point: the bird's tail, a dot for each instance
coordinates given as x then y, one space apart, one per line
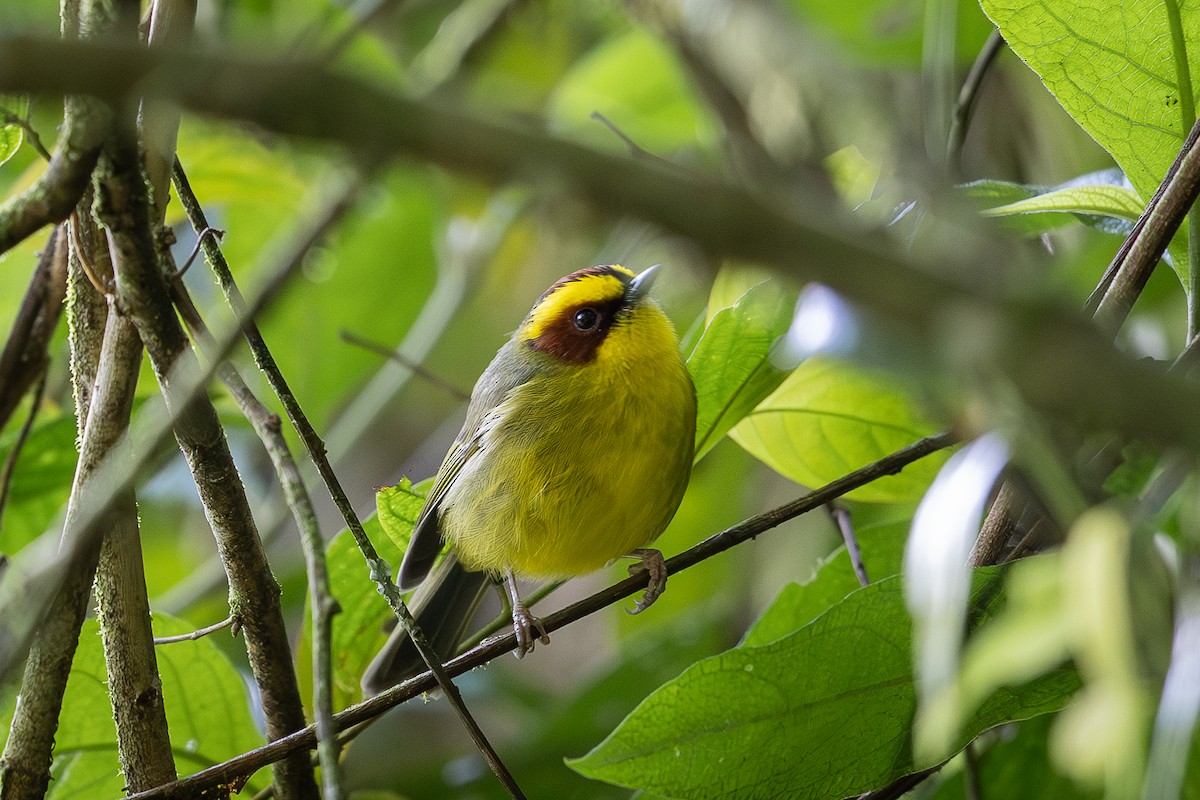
443 606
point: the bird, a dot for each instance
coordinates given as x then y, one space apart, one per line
576 451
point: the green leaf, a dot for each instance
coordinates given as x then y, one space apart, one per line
1108 201
362 626
731 364
208 713
41 481
11 137
1119 67
829 418
634 81
398 508
824 712
1101 200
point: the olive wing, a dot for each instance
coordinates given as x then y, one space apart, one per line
505 373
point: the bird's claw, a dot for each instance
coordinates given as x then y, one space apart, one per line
652 562
528 629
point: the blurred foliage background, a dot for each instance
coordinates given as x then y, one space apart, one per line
442 268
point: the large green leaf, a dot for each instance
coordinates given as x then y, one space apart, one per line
1119 67
208 713
731 364
829 418
823 712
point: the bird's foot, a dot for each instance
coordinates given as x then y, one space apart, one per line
529 630
652 562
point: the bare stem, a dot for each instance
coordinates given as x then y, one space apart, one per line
199 633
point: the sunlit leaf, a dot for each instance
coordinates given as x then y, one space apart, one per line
11 137
829 418
1102 200
1119 67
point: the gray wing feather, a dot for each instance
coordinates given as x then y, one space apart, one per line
504 374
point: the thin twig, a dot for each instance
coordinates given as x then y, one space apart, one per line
216 233
965 105
10 461
636 151
247 763
387 352
200 633
100 284
379 569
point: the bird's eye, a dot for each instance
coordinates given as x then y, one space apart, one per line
586 319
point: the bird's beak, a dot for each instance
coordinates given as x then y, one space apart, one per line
639 287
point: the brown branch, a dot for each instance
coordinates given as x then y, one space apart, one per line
123 607
1140 252
58 190
248 763
25 354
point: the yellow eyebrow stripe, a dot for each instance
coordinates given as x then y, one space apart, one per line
582 290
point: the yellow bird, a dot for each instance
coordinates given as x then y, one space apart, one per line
576 451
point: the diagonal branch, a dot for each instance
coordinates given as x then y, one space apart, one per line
1126 276
24 357
247 763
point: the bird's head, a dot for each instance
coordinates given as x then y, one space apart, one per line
574 321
